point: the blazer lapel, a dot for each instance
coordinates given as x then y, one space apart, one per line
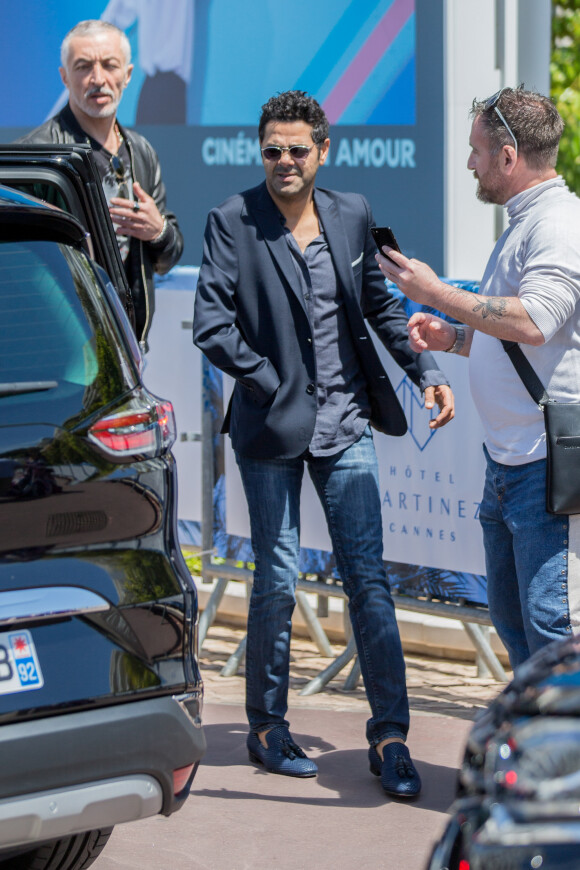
337 239
267 217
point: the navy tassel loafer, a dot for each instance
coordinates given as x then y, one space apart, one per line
282 755
398 774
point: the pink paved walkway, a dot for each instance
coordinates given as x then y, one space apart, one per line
240 818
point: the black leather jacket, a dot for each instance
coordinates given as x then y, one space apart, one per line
144 258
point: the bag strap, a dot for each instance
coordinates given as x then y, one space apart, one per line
529 378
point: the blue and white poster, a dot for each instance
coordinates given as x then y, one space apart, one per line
203 69
227 58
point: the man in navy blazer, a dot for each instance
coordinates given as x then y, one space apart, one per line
287 283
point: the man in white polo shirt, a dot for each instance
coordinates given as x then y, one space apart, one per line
529 294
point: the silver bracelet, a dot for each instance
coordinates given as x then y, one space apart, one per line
161 236
457 345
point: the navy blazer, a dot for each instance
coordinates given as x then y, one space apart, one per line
251 321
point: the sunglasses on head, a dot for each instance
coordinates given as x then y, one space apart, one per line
491 103
296 152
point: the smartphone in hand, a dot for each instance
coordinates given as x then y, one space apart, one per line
385 236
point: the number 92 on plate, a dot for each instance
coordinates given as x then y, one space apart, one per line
19 666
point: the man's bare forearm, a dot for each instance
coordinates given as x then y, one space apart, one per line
501 316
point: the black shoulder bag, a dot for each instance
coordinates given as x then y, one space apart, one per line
562 422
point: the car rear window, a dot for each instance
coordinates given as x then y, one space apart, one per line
44 190
44 333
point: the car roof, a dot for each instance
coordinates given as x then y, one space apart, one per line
25 217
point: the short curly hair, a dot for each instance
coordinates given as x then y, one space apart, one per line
295 106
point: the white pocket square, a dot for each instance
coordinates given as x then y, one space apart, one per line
358 260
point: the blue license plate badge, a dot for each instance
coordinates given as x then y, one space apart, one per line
19 665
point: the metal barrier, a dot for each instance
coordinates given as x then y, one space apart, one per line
472 617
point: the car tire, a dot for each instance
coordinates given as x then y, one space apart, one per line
69 853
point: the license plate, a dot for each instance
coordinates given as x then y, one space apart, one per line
19 666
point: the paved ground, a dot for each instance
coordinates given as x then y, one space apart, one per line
240 818
434 685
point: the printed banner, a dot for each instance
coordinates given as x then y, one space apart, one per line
203 69
431 486
431 482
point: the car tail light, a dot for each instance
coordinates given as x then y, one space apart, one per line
510 778
181 777
137 430
463 864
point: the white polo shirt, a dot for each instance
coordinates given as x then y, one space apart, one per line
538 259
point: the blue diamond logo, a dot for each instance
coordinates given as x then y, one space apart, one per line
418 417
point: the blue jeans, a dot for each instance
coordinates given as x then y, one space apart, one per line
348 486
526 556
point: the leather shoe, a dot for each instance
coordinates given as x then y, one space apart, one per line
282 755
398 774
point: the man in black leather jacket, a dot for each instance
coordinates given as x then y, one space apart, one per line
96 68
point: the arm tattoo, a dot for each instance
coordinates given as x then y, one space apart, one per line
494 307
490 306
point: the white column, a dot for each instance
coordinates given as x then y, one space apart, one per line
470 72
489 44
534 32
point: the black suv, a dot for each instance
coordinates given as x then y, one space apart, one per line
100 692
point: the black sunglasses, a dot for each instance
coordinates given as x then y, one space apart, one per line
491 103
118 167
296 152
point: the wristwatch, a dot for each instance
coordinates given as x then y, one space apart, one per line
457 345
